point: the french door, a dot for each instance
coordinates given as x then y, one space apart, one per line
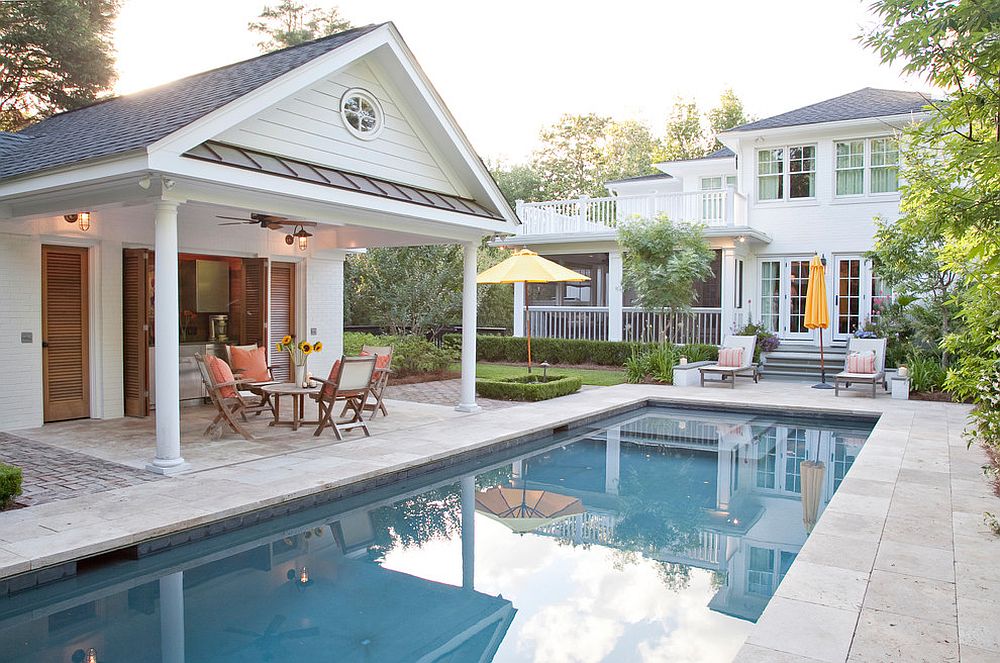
783 285
858 294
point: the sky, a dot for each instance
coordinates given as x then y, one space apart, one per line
507 69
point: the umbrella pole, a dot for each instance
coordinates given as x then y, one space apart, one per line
822 366
527 323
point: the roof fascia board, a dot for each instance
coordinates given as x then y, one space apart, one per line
79 175
611 236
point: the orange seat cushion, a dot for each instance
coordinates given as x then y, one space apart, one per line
253 363
220 372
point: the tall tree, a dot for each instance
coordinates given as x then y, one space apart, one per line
728 114
685 136
290 23
55 55
517 181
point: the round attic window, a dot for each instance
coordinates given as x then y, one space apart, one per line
362 113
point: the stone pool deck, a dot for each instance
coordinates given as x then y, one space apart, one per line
900 567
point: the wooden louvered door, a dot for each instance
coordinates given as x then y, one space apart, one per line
282 317
65 333
254 325
135 331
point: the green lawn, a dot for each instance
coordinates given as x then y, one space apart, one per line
603 378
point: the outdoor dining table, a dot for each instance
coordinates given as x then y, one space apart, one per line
298 395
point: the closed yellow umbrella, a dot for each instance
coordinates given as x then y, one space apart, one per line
817 315
811 472
528 267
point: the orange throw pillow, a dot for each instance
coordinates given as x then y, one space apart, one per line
327 389
381 361
220 372
253 363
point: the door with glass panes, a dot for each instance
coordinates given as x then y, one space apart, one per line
783 285
857 295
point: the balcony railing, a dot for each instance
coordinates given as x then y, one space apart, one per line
720 209
699 325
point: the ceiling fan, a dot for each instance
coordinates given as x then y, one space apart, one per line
275 222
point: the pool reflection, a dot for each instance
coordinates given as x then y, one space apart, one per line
689 521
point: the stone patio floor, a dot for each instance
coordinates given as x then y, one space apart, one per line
439 392
901 567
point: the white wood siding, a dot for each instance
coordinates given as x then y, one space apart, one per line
308 126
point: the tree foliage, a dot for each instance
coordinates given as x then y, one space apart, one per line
663 261
685 136
952 173
728 114
55 55
289 23
517 182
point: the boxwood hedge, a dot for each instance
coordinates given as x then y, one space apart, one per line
10 484
528 387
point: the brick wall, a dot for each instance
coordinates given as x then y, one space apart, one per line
20 311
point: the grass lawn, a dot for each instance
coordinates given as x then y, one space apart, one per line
599 377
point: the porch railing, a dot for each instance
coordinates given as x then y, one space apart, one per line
724 208
699 325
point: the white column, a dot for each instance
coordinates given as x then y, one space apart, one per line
724 475
516 472
519 310
728 291
468 484
168 458
612 460
615 296
172 618
468 397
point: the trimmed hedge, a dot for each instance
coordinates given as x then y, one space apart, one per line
10 484
528 387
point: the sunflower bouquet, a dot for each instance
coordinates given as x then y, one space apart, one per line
299 353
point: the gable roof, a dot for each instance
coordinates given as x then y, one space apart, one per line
864 103
134 121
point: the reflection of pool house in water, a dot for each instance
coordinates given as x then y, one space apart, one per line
737 491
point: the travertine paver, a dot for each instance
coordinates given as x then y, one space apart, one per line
50 473
439 392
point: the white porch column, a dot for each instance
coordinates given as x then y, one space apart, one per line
468 484
615 296
519 310
727 292
172 618
468 396
168 458
516 472
612 460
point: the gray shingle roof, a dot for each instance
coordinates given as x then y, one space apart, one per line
642 178
132 122
863 103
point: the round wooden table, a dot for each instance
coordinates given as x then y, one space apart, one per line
298 394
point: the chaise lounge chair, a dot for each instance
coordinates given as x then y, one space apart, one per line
849 377
740 347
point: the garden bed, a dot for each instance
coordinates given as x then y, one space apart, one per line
528 387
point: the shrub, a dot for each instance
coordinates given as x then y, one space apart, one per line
514 349
926 373
698 352
10 484
411 355
528 387
655 362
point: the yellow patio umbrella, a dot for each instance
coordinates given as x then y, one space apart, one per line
817 316
812 472
528 267
524 510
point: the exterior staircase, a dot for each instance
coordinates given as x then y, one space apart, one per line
801 362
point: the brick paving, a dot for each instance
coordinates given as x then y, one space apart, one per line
439 392
51 473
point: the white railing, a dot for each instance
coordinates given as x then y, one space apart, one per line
578 322
698 325
724 208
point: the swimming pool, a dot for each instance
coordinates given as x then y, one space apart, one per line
658 534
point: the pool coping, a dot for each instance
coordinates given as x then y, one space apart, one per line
71 523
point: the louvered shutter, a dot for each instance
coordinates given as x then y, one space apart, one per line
282 318
254 325
135 331
65 333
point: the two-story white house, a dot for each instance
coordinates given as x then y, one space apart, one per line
809 181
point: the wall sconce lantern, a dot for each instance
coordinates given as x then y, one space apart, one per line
81 656
302 235
82 219
300 577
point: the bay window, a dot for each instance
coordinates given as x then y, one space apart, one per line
786 173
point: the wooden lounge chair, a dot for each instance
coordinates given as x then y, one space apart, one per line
747 368
350 381
846 378
230 397
383 369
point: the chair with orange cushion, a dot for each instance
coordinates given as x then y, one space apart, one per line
249 365
380 379
232 403
350 381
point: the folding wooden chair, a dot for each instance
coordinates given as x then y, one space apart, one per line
350 381
380 379
232 403
251 385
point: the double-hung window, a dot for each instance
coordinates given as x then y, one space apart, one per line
867 165
884 169
786 173
850 168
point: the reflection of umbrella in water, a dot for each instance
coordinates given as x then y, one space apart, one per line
524 510
812 472
270 640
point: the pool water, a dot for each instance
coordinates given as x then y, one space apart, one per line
657 535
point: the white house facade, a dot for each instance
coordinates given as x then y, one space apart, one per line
255 181
782 189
